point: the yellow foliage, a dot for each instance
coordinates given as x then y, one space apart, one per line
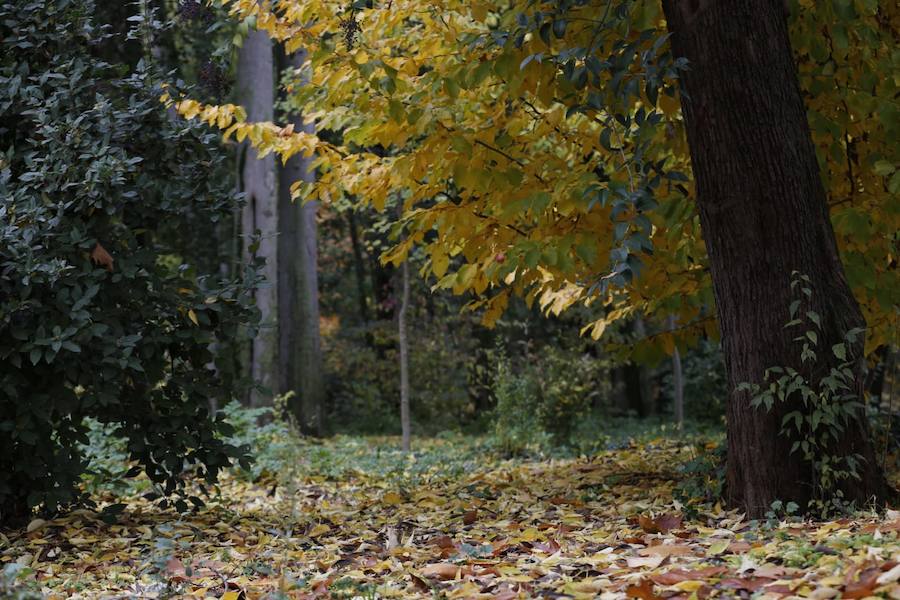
475 136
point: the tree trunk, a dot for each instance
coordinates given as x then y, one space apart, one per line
677 380
359 268
300 347
763 212
646 396
404 357
256 91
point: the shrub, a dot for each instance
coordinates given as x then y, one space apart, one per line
516 425
103 312
570 384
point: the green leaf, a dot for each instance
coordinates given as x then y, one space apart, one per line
883 168
840 351
814 317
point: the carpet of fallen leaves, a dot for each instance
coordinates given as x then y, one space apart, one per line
604 526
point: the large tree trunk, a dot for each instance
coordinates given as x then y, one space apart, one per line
300 356
404 357
256 91
763 212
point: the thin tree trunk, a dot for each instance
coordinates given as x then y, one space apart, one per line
300 357
677 380
404 357
359 268
256 90
763 211
647 404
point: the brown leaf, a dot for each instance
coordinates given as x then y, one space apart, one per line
442 541
864 586
175 570
661 524
470 517
445 571
739 547
643 590
101 257
420 584
561 500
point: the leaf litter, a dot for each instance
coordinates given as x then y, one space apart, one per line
467 526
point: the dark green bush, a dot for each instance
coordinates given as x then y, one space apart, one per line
105 307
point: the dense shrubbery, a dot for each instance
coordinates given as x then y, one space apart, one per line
543 398
363 381
104 311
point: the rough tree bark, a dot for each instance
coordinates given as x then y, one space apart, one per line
763 212
300 348
404 356
256 91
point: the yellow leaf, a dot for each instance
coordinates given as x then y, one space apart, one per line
717 548
320 529
230 595
392 498
193 317
689 586
439 264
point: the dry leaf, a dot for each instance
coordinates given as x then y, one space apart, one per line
661 524
445 571
643 590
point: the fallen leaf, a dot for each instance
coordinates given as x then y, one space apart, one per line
470 517
643 590
35 524
661 524
718 548
392 498
889 576
445 571
863 586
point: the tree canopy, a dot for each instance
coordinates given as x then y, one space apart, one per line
541 151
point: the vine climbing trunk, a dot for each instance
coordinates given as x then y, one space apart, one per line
256 91
763 212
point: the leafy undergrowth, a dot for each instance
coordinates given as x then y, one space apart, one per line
353 518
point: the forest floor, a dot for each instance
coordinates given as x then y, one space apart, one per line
356 519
